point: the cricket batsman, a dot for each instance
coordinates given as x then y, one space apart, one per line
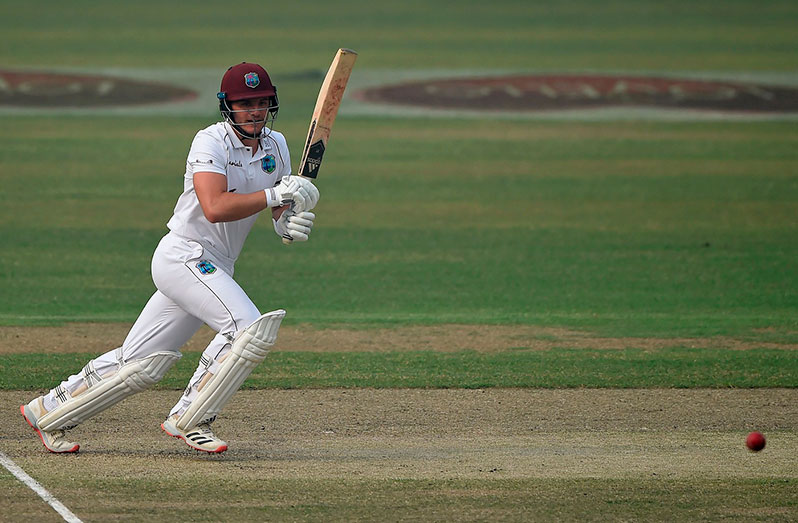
235 169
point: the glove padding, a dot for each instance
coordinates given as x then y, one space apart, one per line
295 226
293 190
282 193
307 195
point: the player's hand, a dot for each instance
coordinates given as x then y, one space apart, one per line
294 227
310 195
299 225
287 192
295 190
282 193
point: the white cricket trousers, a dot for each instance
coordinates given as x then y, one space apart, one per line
195 287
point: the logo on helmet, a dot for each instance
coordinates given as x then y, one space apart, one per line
252 80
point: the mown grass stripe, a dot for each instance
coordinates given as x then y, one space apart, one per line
672 367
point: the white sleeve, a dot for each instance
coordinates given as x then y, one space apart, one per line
286 158
207 154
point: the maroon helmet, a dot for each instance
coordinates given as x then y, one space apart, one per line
242 82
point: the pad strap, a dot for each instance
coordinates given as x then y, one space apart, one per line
249 349
132 377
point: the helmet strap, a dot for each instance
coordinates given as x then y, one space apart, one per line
227 114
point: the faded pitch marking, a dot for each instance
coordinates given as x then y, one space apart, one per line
506 94
37 89
122 91
562 92
578 95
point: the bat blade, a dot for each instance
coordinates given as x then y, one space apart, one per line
330 95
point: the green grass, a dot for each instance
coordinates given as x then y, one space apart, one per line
672 367
627 229
673 34
355 499
623 228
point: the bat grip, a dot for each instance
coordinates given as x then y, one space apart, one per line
286 240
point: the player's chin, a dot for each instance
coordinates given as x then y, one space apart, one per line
250 128
254 128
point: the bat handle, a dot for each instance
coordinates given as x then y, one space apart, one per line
288 241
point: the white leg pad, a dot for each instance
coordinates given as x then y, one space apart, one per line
132 377
249 349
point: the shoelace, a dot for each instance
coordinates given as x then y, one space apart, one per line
205 429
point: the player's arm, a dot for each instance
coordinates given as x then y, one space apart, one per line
219 205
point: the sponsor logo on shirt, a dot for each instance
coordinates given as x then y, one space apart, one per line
235 163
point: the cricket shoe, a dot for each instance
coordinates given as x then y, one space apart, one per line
53 440
200 437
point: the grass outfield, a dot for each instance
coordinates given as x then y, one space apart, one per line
671 34
643 272
631 229
671 367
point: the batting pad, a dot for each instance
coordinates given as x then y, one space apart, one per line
249 349
132 377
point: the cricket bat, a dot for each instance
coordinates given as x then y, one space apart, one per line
330 95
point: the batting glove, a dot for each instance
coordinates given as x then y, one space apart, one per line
311 194
294 227
293 190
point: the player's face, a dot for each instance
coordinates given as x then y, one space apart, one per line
251 114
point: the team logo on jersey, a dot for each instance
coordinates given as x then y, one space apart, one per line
268 163
206 267
252 80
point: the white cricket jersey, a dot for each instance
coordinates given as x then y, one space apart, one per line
218 149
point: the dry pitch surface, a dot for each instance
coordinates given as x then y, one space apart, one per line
431 435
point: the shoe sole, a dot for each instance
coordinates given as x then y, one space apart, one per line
73 449
187 442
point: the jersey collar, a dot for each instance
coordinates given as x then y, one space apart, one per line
234 139
238 144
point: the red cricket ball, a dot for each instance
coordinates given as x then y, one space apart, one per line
755 441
